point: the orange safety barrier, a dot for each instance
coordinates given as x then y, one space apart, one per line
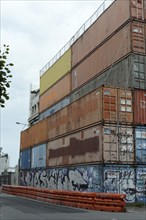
93 201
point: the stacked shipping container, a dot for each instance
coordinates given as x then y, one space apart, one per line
93 110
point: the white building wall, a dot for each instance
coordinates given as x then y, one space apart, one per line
34 105
4 163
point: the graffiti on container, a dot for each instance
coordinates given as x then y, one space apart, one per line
141 184
141 145
118 145
89 178
77 179
142 104
120 181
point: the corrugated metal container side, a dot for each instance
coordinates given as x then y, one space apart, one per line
108 104
108 98
23 139
140 107
83 112
118 146
57 123
80 147
102 58
86 110
35 134
139 69
125 106
145 10
55 93
55 72
103 27
38 156
127 73
140 183
117 105
25 159
138 37
137 9
120 179
140 143
63 103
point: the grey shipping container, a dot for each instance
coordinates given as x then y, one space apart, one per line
128 73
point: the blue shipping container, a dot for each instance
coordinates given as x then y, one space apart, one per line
25 158
38 158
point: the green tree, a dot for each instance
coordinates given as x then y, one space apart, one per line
4 75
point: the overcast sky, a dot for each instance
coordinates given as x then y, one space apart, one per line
35 31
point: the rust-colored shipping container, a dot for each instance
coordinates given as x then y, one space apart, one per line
109 143
144 9
106 25
129 39
80 147
118 144
137 9
125 106
112 50
120 45
140 107
108 104
57 123
34 135
55 93
138 37
103 27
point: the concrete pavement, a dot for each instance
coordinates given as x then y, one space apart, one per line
18 208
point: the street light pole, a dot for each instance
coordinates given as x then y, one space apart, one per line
19 123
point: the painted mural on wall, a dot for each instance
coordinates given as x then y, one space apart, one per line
83 178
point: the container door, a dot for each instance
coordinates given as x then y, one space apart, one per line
138 37
137 9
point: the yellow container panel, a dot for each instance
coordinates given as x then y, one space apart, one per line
55 72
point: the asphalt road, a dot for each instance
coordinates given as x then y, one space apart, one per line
18 208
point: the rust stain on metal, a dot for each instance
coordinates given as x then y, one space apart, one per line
76 147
